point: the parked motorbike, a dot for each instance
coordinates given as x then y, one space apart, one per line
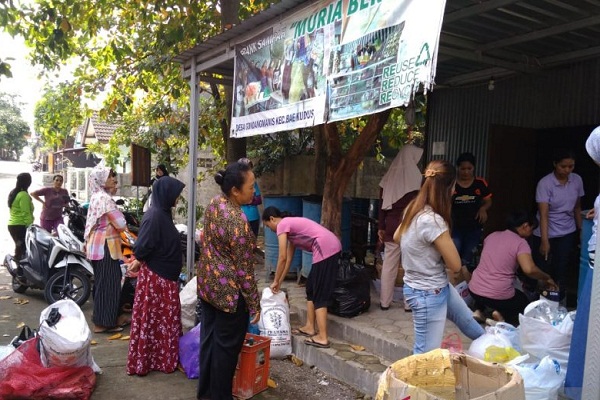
55 264
36 166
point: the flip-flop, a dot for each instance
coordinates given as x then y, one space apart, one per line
302 333
311 342
111 330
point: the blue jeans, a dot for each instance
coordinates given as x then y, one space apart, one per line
430 308
466 241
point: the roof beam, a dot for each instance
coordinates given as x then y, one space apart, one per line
570 56
542 33
478 57
476 10
477 76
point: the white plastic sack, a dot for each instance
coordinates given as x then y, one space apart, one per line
491 337
540 338
511 333
67 343
188 297
543 380
275 322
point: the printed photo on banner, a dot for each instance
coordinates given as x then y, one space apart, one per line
334 60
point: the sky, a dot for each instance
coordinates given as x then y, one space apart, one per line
24 81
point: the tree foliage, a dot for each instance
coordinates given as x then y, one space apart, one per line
57 115
124 50
13 128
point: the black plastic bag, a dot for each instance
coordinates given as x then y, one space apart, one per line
26 334
352 294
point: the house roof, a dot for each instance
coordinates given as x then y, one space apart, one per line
102 129
479 39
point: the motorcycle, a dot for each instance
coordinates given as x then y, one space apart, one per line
55 264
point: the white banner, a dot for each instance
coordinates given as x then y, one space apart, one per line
334 60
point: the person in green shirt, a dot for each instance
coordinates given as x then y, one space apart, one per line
21 213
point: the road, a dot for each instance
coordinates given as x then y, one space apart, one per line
294 382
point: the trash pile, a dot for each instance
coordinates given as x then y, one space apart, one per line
55 362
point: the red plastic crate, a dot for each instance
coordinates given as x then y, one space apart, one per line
252 370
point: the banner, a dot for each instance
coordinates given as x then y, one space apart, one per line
334 60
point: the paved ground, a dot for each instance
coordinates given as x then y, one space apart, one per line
295 382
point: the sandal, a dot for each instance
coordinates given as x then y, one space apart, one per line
302 333
311 342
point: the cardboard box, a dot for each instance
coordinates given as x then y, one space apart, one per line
440 375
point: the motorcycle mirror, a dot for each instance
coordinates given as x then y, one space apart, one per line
120 202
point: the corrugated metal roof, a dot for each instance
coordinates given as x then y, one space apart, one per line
479 38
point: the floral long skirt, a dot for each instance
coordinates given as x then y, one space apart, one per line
155 325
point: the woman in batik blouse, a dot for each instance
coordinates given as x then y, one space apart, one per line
226 284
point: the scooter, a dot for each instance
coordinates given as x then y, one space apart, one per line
55 264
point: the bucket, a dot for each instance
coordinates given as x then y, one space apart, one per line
293 205
311 209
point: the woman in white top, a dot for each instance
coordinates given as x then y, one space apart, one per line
427 250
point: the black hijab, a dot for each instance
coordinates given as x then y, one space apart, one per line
158 242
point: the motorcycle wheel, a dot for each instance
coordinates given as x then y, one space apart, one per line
17 286
77 287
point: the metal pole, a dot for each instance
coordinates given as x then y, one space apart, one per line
193 151
591 374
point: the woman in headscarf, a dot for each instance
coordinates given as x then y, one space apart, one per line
160 171
103 247
399 186
156 322
21 213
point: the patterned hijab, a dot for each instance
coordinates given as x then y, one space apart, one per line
101 201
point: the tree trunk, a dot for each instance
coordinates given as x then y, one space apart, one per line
341 168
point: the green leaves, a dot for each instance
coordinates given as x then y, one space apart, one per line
13 129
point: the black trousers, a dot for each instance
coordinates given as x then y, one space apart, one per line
221 339
17 232
509 308
107 290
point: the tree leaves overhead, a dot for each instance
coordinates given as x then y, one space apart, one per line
123 49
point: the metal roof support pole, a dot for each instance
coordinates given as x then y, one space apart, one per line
191 184
591 374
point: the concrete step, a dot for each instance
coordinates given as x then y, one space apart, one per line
380 335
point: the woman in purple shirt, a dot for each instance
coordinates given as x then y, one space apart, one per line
307 235
558 196
55 199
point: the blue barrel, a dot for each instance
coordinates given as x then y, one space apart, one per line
311 209
584 258
293 205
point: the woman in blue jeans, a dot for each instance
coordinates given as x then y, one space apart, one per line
427 250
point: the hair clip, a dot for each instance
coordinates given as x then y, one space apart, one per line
429 172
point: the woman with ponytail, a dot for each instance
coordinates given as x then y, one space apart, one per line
226 284
21 213
427 251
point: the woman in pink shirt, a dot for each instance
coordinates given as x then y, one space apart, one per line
492 283
55 199
307 235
